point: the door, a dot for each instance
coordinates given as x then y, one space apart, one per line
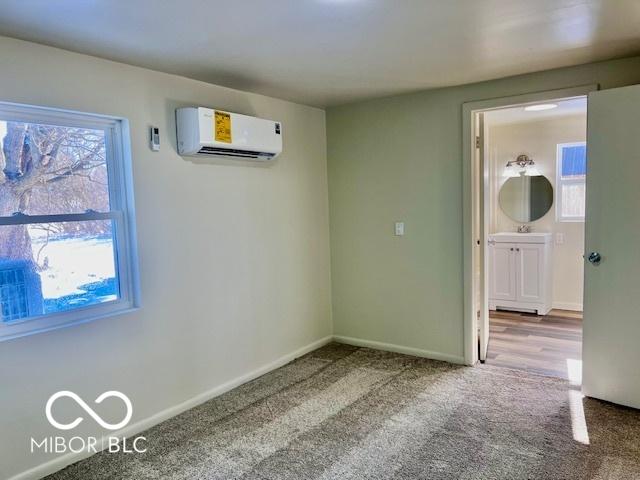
611 355
529 260
502 279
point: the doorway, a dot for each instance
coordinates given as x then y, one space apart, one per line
514 318
612 260
535 162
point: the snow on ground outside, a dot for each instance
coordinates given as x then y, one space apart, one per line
73 262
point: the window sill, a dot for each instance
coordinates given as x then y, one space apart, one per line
35 325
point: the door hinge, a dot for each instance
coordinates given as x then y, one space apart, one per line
478 141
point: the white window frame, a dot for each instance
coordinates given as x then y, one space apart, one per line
565 181
122 213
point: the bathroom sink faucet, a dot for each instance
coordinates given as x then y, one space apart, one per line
524 228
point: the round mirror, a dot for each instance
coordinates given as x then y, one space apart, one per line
526 198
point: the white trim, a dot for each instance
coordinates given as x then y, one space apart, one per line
22 112
390 347
140 426
58 463
575 307
64 319
470 336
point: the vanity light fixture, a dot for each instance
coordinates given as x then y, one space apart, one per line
540 107
523 164
531 170
511 171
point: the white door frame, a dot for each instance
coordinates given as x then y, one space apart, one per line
470 199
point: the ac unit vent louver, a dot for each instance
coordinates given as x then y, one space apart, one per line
233 152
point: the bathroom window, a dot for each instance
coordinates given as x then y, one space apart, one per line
67 246
571 182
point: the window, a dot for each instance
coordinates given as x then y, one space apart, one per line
67 227
570 183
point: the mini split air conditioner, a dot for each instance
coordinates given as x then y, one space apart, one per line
204 131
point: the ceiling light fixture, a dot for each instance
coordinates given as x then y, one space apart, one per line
540 107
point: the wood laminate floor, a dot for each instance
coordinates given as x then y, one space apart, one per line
548 345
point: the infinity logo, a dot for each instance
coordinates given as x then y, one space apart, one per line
89 410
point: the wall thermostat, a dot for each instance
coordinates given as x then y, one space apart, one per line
155 139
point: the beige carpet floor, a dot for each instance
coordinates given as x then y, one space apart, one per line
343 412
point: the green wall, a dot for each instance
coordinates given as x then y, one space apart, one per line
400 159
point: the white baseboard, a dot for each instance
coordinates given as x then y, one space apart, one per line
389 347
62 461
59 463
576 307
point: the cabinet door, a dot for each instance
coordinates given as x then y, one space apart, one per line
502 280
530 268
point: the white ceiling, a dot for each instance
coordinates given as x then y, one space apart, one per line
326 52
574 106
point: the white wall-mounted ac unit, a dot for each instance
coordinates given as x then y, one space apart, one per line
205 131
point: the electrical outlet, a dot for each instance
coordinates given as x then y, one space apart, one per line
559 238
399 229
